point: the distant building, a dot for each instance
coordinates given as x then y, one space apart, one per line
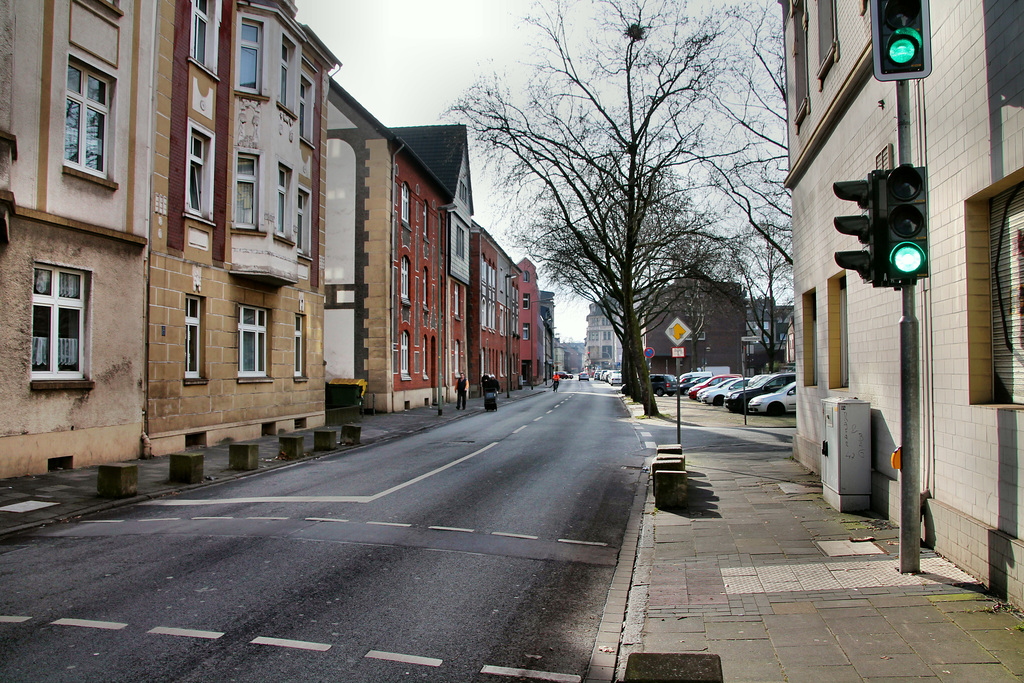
603 346
493 313
531 341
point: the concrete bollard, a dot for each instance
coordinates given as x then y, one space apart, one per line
324 439
670 449
292 447
186 468
673 463
670 489
350 434
244 456
118 480
674 667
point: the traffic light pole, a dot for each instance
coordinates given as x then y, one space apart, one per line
910 469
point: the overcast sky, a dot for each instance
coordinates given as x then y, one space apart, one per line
407 60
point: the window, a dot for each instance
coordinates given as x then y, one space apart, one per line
426 289
300 365
526 331
526 301
801 101
464 192
405 279
306 100
246 176
526 276
200 173
404 355
405 204
1003 324
249 56
284 181
426 375
458 357
827 38
58 313
287 50
426 224
460 242
252 342
204 45
456 295
85 120
302 230
193 337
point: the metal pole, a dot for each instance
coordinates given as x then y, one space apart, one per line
679 394
910 468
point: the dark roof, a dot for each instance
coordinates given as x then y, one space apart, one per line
441 148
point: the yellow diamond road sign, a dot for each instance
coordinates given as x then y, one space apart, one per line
677 331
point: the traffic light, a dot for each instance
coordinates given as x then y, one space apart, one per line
904 236
864 227
901 39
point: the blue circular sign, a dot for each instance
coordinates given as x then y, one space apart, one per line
649 352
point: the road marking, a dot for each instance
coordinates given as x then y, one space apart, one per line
185 632
324 519
213 518
527 673
391 524
432 472
88 623
161 519
452 528
650 444
295 644
550 411
569 540
12 620
269 519
102 521
501 533
646 435
538 418
404 659
519 430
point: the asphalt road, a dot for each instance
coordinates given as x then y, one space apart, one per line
464 553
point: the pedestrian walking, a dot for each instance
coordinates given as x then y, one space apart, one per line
461 387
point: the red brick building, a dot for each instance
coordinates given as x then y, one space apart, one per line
531 340
493 313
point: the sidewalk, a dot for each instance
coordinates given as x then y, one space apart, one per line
761 571
30 501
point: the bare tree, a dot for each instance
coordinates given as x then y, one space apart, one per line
599 142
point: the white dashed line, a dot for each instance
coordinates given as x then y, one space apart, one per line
501 533
295 644
451 528
399 524
569 540
102 521
161 519
516 431
324 519
213 518
269 519
185 632
550 411
404 659
646 435
538 418
12 620
527 673
87 623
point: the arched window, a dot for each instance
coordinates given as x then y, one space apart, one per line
405 203
405 279
426 288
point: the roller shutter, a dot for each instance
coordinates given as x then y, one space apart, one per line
1007 261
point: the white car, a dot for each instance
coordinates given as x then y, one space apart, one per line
780 403
716 395
615 378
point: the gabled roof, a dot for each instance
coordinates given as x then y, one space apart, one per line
442 149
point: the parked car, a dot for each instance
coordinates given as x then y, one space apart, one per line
778 403
615 378
710 382
664 384
716 395
736 400
584 377
688 379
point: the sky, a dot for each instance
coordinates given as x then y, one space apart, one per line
407 61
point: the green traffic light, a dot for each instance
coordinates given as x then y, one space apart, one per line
904 45
907 258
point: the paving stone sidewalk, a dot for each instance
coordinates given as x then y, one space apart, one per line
29 501
761 571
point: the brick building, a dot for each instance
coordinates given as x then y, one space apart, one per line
493 313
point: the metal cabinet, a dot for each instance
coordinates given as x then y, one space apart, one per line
846 453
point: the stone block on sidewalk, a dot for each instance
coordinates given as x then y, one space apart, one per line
350 434
186 468
291 447
117 480
670 489
244 456
668 462
670 449
673 667
324 439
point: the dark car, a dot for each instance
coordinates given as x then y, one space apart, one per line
736 400
664 384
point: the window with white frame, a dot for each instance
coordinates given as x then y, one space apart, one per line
405 279
426 224
426 374
58 323
426 288
458 356
405 204
306 101
204 33
526 276
250 56
284 181
403 350
287 53
526 331
200 172
299 348
526 300
85 119
252 342
302 228
193 337
246 182
456 296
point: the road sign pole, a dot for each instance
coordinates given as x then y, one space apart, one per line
679 424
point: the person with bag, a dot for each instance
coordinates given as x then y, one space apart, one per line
461 388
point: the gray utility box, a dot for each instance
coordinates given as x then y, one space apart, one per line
846 453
